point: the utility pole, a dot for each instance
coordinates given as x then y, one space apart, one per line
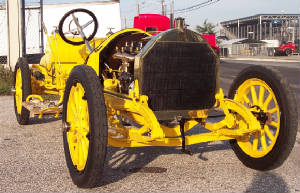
299 32
138 8
172 14
125 22
162 7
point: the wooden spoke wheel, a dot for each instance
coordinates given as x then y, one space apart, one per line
85 126
268 96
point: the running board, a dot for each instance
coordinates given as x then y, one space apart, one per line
40 108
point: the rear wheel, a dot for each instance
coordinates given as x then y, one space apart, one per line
270 99
22 84
85 123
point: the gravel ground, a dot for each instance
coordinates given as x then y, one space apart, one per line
32 160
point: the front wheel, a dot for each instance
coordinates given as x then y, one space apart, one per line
85 126
265 92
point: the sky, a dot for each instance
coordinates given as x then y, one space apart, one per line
216 13
221 11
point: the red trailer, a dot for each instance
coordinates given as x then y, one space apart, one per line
153 23
211 39
156 23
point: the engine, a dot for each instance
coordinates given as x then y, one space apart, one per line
120 56
126 55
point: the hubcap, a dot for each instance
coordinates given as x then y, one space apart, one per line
261 100
79 128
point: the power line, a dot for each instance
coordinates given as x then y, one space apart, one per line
196 6
149 6
193 6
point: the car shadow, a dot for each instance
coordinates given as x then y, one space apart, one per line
122 162
267 182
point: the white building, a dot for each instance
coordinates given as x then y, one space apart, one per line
107 13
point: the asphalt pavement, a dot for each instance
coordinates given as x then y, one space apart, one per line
32 160
292 58
289 67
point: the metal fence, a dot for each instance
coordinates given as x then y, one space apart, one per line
251 49
3 33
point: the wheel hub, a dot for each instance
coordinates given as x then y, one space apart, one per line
262 117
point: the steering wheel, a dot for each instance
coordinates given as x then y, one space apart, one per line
70 27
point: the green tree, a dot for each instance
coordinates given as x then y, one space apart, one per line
206 28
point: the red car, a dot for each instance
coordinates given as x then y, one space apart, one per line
285 49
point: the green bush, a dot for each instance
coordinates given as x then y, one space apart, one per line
6 80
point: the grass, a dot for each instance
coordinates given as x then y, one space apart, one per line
6 80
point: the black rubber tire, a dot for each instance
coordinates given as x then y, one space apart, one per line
92 172
61 23
289 118
22 64
288 52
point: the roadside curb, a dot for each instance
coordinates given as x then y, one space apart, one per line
263 59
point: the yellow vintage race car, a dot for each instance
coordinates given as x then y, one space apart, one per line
132 89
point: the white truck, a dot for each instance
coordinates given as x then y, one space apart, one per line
51 16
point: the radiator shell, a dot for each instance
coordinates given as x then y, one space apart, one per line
178 70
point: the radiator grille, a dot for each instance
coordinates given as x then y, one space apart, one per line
179 76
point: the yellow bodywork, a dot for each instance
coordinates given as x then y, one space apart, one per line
60 58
